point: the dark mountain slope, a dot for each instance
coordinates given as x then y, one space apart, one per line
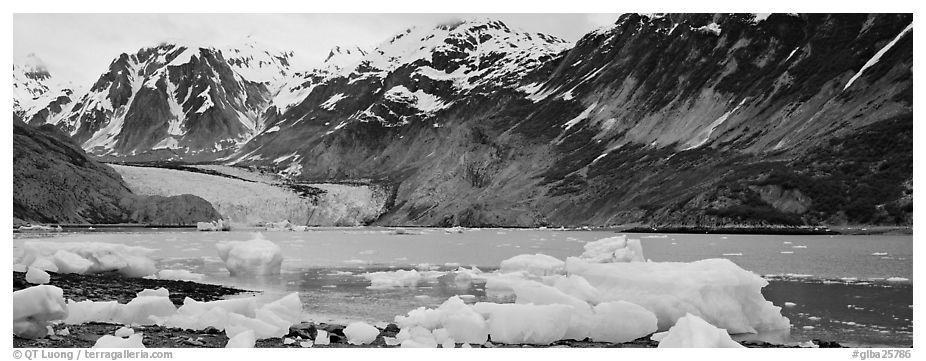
680 119
54 181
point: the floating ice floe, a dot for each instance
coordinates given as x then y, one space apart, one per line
360 333
613 249
692 331
897 279
35 307
88 257
255 257
534 264
218 225
394 279
180 275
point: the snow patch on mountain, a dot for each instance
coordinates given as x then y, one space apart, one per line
332 101
874 59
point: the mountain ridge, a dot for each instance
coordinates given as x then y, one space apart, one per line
659 119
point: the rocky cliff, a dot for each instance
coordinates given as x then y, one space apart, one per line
54 181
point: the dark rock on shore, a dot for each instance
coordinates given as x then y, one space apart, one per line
114 287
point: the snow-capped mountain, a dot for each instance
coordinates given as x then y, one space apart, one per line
177 101
681 119
670 118
410 78
39 98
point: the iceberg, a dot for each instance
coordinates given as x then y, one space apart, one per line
536 264
180 275
35 307
621 321
525 324
110 341
244 339
37 276
393 279
717 290
251 258
692 331
613 249
88 257
360 333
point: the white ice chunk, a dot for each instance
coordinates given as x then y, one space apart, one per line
245 339
140 309
254 257
160 292
458 319
238 324
621 321
613 249
90 311
716 290
108 341
102 257
35 307
525 324
393 279
692 331
37 276
321 338
124 332
180 275
360 333
70 262
536 264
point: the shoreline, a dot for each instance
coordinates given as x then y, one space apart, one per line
112 287
771 231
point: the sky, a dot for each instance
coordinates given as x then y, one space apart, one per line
78 48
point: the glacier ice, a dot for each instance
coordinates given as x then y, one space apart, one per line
321 338
88 257
140 310
124 332
716 290
525 323
535 264
35 307
458 319
393 279
244 339
608 294
692 331
180 275
621 321
37 276
110 341
360 333
257 256
613 249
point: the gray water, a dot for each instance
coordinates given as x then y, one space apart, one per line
838 279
